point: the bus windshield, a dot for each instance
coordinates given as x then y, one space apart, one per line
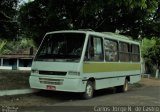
61 47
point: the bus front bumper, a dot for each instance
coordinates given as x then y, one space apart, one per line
57 84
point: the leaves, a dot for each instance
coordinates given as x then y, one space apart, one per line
151 50
7 47
8 23
127 16
2 44
147 44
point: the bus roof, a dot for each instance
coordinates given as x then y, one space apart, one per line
109 35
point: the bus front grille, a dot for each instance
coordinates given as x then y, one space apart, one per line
52 73
51 81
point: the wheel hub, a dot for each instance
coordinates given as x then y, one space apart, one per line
89 90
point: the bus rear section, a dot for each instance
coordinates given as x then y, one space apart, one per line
57 65
111 61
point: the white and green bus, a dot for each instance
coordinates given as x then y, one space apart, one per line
84 61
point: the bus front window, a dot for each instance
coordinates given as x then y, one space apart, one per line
61 47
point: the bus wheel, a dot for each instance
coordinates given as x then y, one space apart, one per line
123 88
89 90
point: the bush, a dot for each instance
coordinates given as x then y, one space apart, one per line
14 46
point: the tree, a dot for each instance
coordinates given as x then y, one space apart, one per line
128 16
39 16
151 52
151 25
15 46
2 45
8 24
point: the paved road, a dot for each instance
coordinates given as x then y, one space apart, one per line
143 96
145 93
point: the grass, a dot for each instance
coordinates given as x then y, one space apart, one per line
13 79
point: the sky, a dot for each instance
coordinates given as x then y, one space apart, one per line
25 1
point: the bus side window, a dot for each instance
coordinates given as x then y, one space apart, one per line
124 52
94 50
135 53
111 50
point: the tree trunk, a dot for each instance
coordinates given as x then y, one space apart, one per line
157 73
143 66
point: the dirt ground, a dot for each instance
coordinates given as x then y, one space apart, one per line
150 82
14 79
50 98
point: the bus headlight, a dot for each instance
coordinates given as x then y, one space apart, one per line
74 73
34 71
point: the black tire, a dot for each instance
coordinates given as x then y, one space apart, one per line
123 88
88 91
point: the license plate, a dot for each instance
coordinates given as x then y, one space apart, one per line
49 87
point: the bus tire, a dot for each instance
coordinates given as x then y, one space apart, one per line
123 88
88 91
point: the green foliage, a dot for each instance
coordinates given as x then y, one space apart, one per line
151 52
25 43
14 46
151 25
127 16
147 45
149 5
8 23
2 45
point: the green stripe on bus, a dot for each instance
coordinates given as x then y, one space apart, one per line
109 67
